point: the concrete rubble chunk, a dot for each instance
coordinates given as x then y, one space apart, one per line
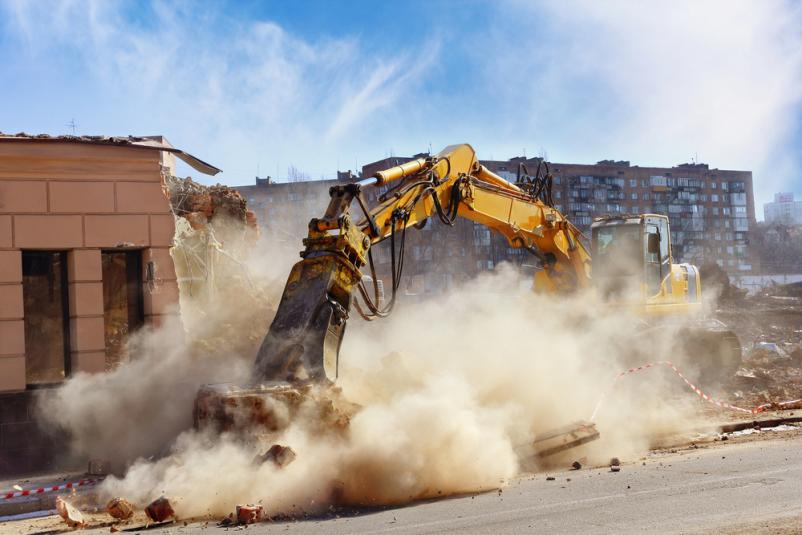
279 455
99 467
160 510
249 514
71 515
120 508
615 464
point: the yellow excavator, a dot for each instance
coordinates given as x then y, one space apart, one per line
632 266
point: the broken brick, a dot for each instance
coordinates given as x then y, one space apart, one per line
71 515
120 508
279 455
160 510
249 514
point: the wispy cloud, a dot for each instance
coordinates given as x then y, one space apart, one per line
658 83
654 83
238 92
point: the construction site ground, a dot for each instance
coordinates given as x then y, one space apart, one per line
746 483
744 480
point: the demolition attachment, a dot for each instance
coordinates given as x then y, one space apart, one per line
304 340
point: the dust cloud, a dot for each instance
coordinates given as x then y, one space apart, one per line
452 391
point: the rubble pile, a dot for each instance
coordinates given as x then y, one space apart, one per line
200 204
215 237
769 326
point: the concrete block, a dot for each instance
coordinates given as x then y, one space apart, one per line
5 231
88 361
84 265
10 266
11 305
12 337
142 197
163 300
12 373
48 231
117 230
162 230
23 196
163 262
81 197
87 334
86 298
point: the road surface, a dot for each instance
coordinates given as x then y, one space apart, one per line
740 486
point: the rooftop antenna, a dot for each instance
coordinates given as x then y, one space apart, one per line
72 124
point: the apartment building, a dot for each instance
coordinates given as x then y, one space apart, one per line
85 236
783 210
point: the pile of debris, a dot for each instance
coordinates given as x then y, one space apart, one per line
200 204
771 373
769 327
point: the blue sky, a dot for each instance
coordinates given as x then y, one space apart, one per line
322 85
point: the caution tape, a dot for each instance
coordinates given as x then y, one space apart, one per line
696 389
55 488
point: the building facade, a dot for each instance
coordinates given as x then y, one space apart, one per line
784 210
85 236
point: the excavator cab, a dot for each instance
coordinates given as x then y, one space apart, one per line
633 265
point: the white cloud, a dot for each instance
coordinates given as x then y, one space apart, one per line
657 83
235 92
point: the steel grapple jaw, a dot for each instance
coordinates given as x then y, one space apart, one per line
303 342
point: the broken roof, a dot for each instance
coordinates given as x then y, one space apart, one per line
145 142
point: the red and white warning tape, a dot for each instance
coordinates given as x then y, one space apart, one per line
709 399
55 488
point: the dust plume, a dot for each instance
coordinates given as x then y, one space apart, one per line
452 391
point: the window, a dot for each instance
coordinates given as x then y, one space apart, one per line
633 196
658 181
714 197
645 196
557 194
44 291
633 183
123 310
713 185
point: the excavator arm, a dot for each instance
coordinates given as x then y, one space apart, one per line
304 339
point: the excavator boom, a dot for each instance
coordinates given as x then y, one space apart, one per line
304 339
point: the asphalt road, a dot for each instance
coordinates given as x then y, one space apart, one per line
692 491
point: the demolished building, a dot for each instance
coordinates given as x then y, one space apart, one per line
85 235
